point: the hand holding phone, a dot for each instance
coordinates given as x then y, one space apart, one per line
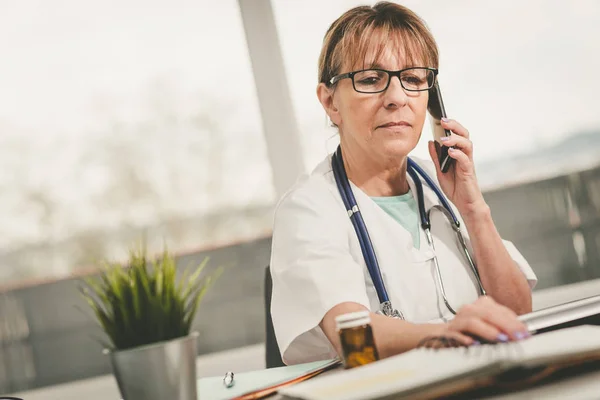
436 109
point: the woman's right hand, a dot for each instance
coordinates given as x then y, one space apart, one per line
485 320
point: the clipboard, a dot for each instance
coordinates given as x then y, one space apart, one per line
263 383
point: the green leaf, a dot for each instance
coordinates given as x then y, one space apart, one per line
144 303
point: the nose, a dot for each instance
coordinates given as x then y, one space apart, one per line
395 96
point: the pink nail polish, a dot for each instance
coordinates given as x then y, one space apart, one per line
445 138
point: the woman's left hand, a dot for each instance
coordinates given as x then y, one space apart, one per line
459 183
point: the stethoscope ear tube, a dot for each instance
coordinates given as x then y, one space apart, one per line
415 167
420 198
359 225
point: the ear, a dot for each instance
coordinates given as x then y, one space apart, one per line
325 96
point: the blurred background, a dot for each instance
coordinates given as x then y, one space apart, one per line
130 120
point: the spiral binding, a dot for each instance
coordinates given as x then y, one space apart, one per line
499 350
439 342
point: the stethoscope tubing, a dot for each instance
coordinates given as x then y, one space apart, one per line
366 245
360 228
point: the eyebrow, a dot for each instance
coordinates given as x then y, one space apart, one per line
379 66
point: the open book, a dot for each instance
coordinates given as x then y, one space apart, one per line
573 313
430 373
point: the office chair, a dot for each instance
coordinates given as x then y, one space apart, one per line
272 355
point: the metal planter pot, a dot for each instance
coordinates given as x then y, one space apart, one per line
165 370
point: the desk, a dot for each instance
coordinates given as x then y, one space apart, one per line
252 358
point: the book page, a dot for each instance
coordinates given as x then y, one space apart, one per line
398 374
565 342
562 313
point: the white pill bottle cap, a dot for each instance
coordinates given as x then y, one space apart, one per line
352 320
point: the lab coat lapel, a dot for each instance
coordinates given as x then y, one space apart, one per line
403 268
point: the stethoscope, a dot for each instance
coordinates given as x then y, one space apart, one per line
366 246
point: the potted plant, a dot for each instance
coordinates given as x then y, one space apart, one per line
147 315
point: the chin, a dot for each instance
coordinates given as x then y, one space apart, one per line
397 148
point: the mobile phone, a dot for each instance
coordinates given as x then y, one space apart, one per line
436 109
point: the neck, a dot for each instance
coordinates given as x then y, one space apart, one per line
376 176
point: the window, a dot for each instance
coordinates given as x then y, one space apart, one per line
120 120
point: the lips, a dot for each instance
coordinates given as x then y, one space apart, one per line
392 124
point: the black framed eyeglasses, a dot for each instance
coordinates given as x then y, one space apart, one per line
414 79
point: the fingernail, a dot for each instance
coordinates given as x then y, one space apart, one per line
526 334
519 335
445 119
476 343
502 337
445 138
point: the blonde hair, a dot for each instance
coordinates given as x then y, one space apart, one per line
350 37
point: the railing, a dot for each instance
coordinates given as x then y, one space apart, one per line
555 223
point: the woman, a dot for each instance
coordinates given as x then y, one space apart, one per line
318 269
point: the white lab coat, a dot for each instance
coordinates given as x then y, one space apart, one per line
317 263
